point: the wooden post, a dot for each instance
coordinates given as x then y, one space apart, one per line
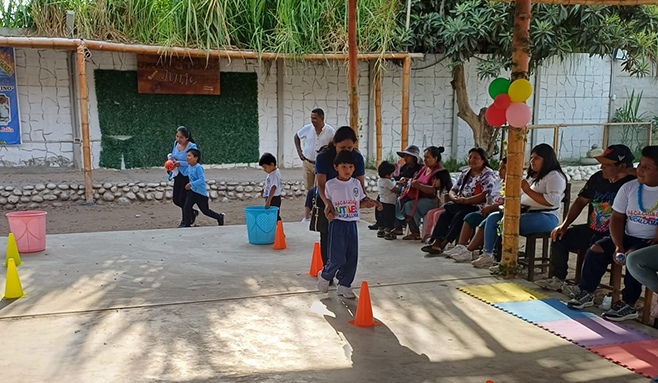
556 139
515 145
84 122
352 67
378 111
606 133
405 102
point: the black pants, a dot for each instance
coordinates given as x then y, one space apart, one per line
450 222
386 217
596 264
324 246
179 193
202 202
276 201
577 237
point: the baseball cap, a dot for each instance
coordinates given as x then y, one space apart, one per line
616 154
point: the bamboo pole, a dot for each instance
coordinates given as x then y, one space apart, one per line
515 145
84 122
378 111
71 44
606 134
352 67
556 139
406 69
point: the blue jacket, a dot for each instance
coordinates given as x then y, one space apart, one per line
197 179
181 156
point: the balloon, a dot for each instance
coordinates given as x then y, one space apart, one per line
518 114
495 116
498 86
169 165
502 101
520 90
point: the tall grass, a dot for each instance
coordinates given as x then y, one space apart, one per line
280 26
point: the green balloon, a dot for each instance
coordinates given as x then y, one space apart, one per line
498 86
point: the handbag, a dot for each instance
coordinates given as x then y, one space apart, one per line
319 221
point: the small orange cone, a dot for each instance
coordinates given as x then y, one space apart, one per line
363 317
316 261
12 251
13 289
279 237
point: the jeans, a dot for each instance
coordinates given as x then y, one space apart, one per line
343 252
202 202
423 205
449 225
596 264
577 237
529 223
643 264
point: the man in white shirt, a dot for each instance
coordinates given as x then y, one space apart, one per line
315 135
633 226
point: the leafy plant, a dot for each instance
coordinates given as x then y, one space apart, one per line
632 135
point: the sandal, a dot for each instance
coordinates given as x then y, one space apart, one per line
411 237
397 232
390 236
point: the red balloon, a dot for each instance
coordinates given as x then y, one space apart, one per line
502 101
495 116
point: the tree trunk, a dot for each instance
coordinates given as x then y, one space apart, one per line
484 135
516 145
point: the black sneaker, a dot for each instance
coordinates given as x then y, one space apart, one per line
183 225
381 233
195 213
620 311
581 300
373 227
220 221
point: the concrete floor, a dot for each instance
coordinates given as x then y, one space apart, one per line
202 305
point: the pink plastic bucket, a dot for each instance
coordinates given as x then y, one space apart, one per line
29 229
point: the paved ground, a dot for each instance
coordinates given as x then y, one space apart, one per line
202 305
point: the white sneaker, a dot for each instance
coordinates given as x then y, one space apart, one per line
345 292
323 284
552 283
462 254
455 250
484 261
306 219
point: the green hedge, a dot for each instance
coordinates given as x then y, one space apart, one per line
224 127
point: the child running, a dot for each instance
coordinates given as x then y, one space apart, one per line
387 196
272 189
346 195
197 194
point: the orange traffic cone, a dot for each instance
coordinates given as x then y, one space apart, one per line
363 317
316 261
279 237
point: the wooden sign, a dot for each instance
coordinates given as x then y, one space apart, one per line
177 75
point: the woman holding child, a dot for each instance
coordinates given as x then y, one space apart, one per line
470 192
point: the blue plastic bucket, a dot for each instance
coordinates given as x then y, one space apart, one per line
261 224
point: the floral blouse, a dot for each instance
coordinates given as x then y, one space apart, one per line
486 182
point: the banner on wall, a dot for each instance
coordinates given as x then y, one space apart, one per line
10 130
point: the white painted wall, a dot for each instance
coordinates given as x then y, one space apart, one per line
576 91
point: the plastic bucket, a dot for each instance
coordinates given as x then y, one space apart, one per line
29 229
261 224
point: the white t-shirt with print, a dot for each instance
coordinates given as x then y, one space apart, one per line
552 187
639 224
313 142
273 179
346 197
385 186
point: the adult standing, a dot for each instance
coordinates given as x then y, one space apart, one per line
344 139
183 143
316 135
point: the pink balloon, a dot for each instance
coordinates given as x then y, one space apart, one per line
518 114
502 101
495 116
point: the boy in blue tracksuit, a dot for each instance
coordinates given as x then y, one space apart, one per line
197 194
346 195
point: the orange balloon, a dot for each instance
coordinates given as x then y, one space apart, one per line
169 165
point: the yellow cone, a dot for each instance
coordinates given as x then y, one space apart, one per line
13 287
12 251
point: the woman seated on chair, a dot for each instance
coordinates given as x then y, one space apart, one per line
542 193
419 198
473 187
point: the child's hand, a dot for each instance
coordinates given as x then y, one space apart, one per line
267 205
330 212
188 187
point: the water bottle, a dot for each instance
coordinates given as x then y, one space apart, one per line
607 303
621 258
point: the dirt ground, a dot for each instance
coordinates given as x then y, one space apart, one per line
72 218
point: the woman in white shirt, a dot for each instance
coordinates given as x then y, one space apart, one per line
543 191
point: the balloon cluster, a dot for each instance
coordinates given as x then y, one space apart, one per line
509 103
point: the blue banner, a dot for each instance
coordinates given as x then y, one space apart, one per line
10 123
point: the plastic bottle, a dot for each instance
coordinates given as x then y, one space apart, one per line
607 303
621 258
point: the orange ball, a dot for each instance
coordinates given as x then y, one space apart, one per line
169 165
